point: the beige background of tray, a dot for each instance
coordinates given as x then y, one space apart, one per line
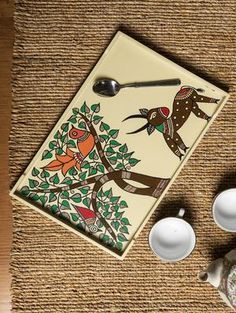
56 45
128 61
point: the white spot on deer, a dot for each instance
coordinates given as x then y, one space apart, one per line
177 109
172 146
177 125
198 114
194 107
186 108
177 139
177 102
175 117
201 98
194 97
168 138
183 116
186 102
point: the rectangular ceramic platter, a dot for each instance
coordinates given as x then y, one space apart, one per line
89 169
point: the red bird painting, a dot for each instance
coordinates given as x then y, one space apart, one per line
85 144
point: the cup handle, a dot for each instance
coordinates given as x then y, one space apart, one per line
181 213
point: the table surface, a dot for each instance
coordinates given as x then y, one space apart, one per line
6 45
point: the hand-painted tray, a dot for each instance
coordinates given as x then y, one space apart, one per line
102 183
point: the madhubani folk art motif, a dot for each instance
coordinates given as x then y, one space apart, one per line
185 103
69 182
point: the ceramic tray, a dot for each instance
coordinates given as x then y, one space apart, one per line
100 182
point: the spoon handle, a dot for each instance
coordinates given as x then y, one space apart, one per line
165 82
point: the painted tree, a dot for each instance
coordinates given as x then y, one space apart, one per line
83 156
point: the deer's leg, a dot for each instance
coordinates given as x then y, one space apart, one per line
199 113
199 98
179 141
173 146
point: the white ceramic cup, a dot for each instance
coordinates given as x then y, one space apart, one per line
172 239
224 210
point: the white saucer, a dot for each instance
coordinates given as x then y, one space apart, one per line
224 210
172 239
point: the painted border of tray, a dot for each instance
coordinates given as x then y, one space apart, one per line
119 254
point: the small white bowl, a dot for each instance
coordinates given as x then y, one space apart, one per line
224 210
172 239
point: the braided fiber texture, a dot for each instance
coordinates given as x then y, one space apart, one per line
56 45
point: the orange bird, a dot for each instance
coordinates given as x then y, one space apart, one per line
85 144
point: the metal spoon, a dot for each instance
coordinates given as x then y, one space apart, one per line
109 87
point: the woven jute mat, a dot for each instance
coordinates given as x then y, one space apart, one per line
56 45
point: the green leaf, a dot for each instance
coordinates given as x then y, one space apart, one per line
84 190
82 125
101 168
95 107
52 197
99 224
82 176
64 138
104 237
65 194
109 151
119 215
104 126
125 221
85 164
97 119
25 190
71 144
72 171
65 127
108 193
115 224
119 155
128 155
57 135
33 183
92 155
74 217
114 143
54 179
72 119
119 246
133 161
103 138
124 229
54 209
65 204
120 166
106 206
92 171
75 111
123 148
86 202
121 237
52 144
44 174
59 151
35 171
46 154
113 133
112 160
43 199
85 108
123 204
114 199
67 181
44 185
34 196
76 197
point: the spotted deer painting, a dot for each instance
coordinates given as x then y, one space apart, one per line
185 102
